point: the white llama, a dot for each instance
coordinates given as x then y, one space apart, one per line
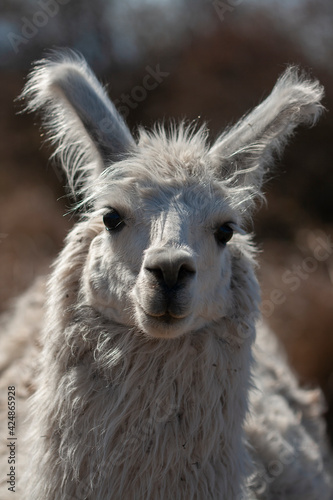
147 383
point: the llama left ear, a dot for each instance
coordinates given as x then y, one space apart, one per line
85 126
243 153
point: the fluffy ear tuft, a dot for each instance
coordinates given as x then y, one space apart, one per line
81 120
243 153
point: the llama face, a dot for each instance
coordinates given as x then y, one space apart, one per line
165 264
166 269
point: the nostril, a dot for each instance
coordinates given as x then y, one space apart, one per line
185 271
156 272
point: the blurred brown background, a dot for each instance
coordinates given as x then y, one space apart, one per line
210 60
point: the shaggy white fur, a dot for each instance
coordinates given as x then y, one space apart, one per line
144 362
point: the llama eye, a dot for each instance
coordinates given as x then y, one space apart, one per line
113 220
223 234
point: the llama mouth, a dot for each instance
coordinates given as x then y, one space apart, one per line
166 318
165 324
167 312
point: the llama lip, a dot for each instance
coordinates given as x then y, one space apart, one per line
166 315
163 319
166 318
157 308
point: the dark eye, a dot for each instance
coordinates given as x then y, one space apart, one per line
113 220
223 234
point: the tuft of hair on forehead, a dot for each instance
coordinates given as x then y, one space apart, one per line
175 149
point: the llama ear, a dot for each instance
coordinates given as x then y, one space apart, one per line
82 122
243 153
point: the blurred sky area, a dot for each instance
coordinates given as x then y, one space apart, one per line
130 28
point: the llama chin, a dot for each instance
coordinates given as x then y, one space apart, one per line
148 380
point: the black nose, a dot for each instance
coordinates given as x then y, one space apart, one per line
170 267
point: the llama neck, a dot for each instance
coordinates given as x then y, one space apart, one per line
160 412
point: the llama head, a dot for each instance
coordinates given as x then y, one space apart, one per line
168 249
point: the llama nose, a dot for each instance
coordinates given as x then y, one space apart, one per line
170 267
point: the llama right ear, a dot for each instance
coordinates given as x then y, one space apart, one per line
82 121
243 153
